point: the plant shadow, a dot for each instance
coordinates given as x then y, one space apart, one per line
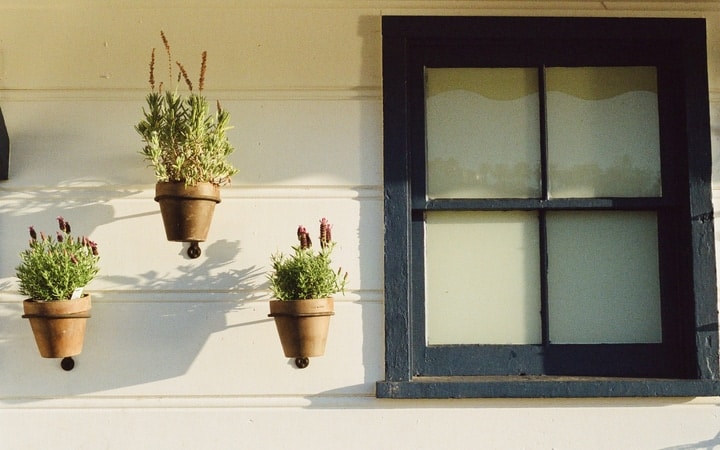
129 342
144 328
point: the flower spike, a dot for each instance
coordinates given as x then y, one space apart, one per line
304 237
152 70
325 233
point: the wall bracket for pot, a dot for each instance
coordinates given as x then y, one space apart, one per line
67 363
194 250
302 362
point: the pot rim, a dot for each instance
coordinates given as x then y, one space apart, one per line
203 190
299 307
76 308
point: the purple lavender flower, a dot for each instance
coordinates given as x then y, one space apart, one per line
304 237
325 233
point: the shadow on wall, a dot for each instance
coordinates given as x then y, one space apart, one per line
161 337
84 209
370 213
709 444
131 343
153 332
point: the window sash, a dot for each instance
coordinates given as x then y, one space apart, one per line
424 205
518 277
599 130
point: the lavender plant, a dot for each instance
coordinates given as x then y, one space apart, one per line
307 274
53 268
183 140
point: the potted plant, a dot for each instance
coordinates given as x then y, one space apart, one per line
303 284
53 273
188 148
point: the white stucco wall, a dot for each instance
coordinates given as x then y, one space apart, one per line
180 353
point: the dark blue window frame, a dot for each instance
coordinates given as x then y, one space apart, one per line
686 364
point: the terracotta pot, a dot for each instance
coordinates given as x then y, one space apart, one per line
302 325
187 210
58 326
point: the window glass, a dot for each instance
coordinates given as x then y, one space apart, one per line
603 138
603 279
482 278
483 133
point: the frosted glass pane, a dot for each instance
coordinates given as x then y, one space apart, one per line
603 138
483 133
482 278
603 280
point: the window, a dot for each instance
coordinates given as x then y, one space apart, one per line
548 217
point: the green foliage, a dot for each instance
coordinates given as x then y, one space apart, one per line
306 274
183 140
52 268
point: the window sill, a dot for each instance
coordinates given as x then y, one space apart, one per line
544 387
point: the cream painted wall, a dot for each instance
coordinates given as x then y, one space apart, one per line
180 353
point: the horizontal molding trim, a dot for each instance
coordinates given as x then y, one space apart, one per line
143 192
327 401
259 93
316 93
655 5
244 296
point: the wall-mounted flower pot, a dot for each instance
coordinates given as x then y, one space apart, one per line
58 326
187 210
302 325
